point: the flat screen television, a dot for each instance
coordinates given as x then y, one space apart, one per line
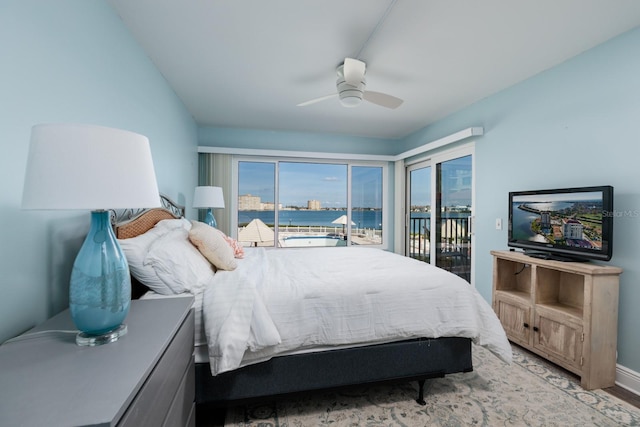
568 224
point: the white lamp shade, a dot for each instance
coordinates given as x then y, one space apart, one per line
72 166
208 197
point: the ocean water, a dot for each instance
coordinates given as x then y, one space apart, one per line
362 219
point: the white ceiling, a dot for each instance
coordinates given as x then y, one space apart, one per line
248 63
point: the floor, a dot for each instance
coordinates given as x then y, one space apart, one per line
624 394
214 417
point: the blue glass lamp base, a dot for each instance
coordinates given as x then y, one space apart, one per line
85 339
210 219
100 285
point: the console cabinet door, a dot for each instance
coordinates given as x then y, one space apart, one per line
559 337
515 319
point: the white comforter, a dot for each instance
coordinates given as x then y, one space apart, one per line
281 300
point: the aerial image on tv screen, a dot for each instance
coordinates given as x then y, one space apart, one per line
566 219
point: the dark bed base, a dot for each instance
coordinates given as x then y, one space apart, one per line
419 359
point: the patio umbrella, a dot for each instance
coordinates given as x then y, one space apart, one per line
257 232
342 219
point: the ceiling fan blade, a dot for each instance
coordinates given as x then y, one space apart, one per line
382 99
313 101
353 71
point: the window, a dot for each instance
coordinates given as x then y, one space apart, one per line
308 204
366 205
256 203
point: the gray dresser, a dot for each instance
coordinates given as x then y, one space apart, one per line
146 378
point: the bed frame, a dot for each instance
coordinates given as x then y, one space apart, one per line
416 359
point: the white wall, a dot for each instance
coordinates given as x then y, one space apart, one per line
72 61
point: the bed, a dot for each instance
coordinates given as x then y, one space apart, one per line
272 322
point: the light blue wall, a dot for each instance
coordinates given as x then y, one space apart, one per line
573 125
294 141
72 61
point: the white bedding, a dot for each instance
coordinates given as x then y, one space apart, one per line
283 300
200 350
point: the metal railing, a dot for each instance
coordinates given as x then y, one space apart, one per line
453 250
359 235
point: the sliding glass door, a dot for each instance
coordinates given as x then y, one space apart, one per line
419 212
440 211
453 216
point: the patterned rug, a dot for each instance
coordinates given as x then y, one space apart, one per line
530 392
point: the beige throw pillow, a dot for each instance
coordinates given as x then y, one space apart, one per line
211 243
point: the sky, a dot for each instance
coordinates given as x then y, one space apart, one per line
560 197
300 182
421 187
455 181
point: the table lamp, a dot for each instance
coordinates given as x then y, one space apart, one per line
75 166
207 197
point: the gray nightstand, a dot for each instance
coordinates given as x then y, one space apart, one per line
145 378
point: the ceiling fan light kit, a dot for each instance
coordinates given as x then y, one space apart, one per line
350 101
350 93
351 86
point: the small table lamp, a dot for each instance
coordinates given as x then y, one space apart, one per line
206 197
95 168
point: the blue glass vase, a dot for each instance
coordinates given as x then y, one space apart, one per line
210 219
100 287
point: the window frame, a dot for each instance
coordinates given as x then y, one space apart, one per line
387 209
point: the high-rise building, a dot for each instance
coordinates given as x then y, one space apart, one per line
545 221
313 205
572 229
247 202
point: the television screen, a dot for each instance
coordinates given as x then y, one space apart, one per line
568 223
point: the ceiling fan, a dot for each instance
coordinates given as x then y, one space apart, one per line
351 86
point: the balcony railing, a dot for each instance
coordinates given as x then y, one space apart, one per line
453 249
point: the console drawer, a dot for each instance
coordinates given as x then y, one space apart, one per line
151 406
184 400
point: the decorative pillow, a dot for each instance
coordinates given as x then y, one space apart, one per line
178 264
211 243
238 250
137 248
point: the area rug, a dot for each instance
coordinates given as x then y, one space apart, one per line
530 392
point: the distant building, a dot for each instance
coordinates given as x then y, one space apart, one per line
247 202
545 221
314 205
269 206
572 229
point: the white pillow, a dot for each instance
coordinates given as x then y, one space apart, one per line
136 249
170 224
212 244
178 264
